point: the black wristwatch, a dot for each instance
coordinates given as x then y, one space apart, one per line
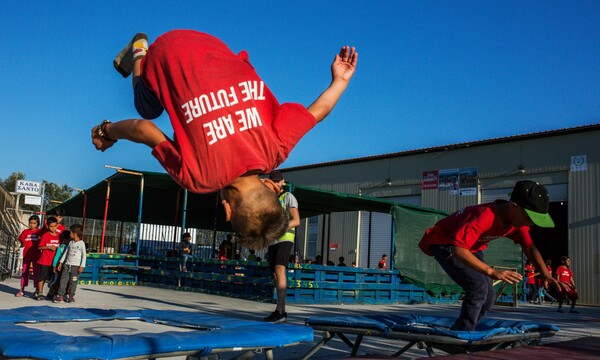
101 132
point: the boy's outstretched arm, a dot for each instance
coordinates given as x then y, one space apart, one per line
342 69
136 130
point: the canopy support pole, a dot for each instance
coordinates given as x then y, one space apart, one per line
105 217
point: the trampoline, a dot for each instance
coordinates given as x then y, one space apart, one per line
194 334
428 333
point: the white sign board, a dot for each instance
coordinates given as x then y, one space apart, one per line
29 187
33 200
579 163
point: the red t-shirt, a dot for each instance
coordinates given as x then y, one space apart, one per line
564 274
382 264
30 240
226 121
472 228
48 255
529 272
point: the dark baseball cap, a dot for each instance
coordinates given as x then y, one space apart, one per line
276 175
534 198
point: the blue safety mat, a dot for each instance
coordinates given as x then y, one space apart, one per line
429 325
207 333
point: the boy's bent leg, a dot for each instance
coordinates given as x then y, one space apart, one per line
479 295
137 47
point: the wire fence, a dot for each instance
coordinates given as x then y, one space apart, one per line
155 240
9 253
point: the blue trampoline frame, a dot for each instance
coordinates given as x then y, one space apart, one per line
217 334
429 333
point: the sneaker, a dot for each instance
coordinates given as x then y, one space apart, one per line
40 297
19 294
573 311
276 317
560 310
71 299
58 299
138 46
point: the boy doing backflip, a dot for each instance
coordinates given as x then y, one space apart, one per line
457 243
229 127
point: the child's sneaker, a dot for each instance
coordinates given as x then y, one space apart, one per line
19 294
276 317
71 299
40 297
137 47
58 299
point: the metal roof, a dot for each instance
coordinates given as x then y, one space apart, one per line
499 140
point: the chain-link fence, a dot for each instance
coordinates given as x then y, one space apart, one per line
9 252
156 240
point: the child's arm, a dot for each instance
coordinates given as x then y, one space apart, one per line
136 130
466 256
342 69
83 260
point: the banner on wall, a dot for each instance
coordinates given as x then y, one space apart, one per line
429 181
461 182
467 181
448 181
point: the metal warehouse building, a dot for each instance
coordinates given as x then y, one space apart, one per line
451 177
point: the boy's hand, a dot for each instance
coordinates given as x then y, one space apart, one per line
99 142
59 267
510 277
550 280
80 270
344 64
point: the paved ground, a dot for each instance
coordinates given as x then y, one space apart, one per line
573 326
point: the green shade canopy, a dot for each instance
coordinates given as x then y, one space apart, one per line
163 202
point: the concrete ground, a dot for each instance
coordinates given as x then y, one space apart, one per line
573 326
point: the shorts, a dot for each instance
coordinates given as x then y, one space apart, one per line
279 254
568 292
145 101
46 272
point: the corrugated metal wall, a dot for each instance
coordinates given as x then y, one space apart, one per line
584 231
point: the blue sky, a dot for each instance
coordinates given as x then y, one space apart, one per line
430 73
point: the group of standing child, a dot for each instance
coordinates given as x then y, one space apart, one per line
52 254
538 294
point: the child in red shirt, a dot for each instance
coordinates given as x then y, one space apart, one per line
530 282
30 239
457 243
565 276
229 127
383 262
49 242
